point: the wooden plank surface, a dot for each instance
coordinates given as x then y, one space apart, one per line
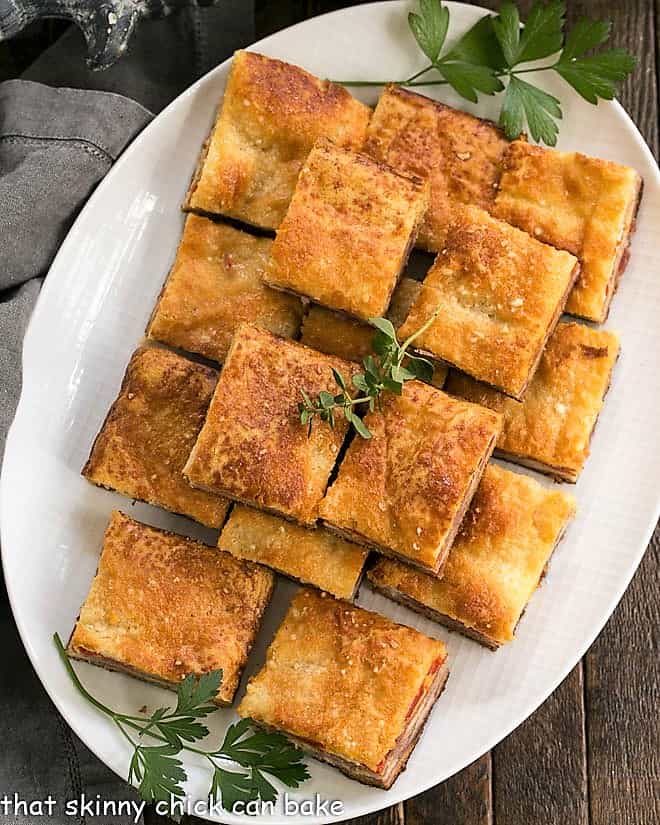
620 670
623 696
464 799
540 771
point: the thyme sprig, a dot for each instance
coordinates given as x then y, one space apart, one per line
386 370
491 56
241 765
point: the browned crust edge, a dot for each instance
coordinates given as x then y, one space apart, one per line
441 618
118 667
550 329
222 493
199 166
443 107
106 663
537 358
154 503
450 622
623 253
306 582
87 468
357 771
358 538
554 471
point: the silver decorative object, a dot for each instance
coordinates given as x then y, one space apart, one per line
106 24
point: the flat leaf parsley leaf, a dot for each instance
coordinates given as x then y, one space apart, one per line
490 57
430 27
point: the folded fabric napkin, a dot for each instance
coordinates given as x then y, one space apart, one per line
57 141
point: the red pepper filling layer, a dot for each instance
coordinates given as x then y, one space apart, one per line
420 693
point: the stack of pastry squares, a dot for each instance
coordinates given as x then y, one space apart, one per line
580 204
520 235
458 153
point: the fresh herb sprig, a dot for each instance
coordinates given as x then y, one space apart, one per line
241 765
491 57
386 370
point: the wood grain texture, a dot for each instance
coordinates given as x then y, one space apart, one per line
540 771
464 799
393 815
623 696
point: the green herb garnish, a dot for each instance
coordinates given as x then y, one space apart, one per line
253 755
490 57
386 370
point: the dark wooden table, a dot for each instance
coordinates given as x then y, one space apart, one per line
591 754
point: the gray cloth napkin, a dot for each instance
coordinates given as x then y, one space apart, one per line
56 144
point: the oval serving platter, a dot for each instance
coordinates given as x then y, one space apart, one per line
92 313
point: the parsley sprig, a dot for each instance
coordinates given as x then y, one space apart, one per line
242 765
386 370
490 58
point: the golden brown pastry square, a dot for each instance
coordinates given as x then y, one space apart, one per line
499 293
149 432
574 202
252 447
495 564
551 429
336 334
313 556
460 154
349 686
404 492
214 285
348 232
162 606
271 115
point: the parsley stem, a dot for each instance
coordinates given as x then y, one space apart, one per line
113 714
136 726
419 73
412 81
125 734
218 754
526 71
76 681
